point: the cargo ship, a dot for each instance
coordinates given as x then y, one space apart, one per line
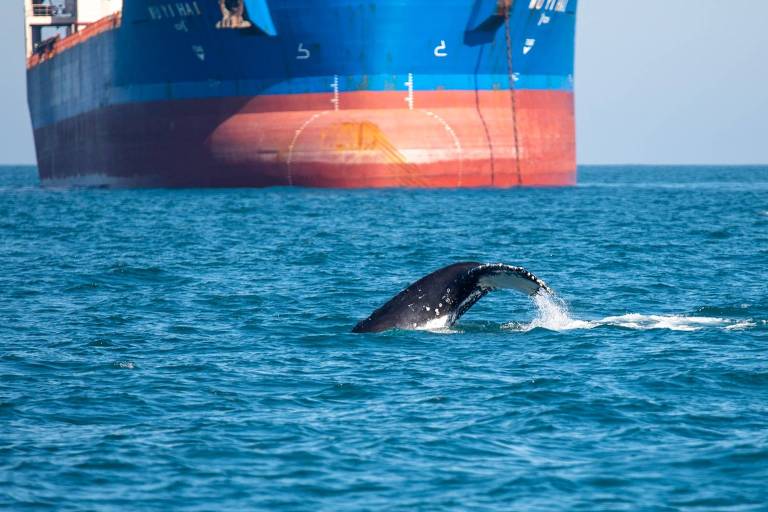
315 93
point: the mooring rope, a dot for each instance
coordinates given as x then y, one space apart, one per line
508 7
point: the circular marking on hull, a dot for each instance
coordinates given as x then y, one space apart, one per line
296 136
456 143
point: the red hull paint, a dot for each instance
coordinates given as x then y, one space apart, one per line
449 139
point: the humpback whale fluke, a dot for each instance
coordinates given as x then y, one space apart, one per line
439 299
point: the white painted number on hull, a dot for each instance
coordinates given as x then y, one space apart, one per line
440 50
303 53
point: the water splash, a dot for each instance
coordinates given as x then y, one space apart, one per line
553 314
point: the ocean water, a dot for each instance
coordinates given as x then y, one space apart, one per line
190 349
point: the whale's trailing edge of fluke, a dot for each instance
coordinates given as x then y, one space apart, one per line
440 298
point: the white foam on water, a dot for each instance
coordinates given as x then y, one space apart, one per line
669 322
552 313
741 326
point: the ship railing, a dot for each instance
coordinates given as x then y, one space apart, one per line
56 45
43 10
51 10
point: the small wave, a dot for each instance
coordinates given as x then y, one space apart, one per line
741 326
553 314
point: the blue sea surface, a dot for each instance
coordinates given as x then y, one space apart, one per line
191 349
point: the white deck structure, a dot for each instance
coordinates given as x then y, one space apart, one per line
63 17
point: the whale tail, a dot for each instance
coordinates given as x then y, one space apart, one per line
440 298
